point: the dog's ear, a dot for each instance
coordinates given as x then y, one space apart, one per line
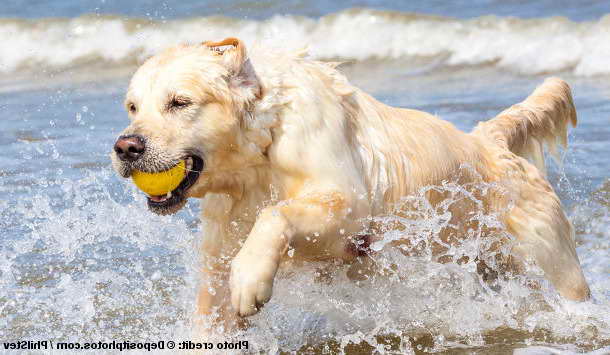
242 76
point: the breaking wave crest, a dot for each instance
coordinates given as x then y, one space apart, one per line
525 46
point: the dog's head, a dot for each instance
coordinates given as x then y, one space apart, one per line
189 103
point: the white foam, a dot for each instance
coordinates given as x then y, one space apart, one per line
524 46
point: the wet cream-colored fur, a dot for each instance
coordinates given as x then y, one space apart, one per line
296 157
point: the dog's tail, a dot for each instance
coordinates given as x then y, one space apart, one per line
541 118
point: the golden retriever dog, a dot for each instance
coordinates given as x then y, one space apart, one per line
286 155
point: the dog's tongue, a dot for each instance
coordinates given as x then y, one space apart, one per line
158 198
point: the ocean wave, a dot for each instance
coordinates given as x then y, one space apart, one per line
525 46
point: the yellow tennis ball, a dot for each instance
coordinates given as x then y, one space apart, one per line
158 184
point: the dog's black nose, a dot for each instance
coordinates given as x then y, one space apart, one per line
129 148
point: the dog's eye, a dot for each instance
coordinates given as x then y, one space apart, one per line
178 103
132 108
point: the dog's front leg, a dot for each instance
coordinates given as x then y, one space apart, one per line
254 267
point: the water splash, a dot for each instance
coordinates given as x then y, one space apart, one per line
99 266
88 267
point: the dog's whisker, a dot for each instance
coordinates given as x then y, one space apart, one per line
188 170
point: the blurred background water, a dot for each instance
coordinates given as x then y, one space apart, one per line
82 259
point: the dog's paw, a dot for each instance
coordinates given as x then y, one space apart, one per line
251 282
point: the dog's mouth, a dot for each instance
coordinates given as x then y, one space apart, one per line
175 199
